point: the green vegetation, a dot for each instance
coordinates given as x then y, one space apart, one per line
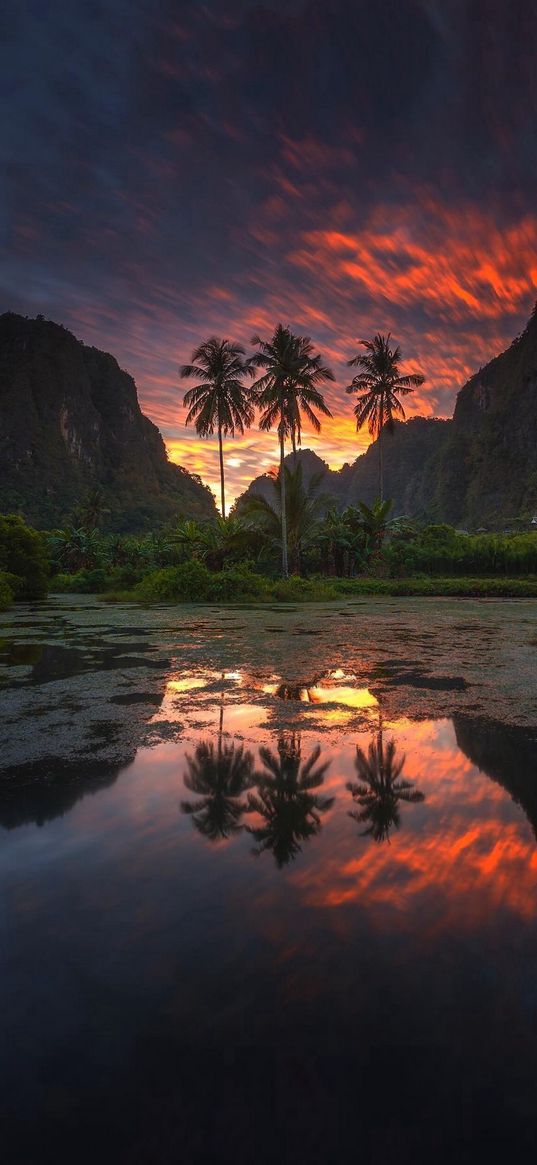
23 560
357 551
6 592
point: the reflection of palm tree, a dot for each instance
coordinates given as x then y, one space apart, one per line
380 789
219 775
291 811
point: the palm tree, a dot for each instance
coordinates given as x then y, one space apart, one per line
76 548
381 789
375 522
224 540
220 401
285 800
90 512
379 385
288 388
336 539
302 506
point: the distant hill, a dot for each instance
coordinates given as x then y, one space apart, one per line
70 421
478 469
487 470
332 481
408 452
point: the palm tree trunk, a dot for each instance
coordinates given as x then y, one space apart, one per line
221 455
380 464
285 562
221 726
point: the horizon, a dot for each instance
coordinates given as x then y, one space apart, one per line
172 177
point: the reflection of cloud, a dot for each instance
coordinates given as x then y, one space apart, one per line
467 854
459 870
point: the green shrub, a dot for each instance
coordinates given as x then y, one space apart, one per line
236 584
61 584
189 582
23 555
303 590
441 550
6 590
96 580
447 587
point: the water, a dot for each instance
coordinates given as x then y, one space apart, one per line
292 927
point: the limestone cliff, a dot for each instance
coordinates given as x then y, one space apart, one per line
69 422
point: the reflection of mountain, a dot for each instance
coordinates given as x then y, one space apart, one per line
290 810
42 792
506 754
88 747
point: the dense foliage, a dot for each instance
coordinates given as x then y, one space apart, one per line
358 550
23 560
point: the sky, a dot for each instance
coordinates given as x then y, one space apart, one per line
173 170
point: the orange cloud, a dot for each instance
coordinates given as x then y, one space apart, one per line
451 283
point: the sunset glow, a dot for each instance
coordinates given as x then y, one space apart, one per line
366 202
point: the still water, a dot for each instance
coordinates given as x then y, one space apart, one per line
300 929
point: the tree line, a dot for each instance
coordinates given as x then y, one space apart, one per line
283 380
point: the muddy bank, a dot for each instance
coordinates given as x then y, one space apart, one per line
86 684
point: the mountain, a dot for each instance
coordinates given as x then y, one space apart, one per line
408 452
69 422
478 469
486 473
332 481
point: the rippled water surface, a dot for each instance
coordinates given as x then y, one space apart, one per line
284 907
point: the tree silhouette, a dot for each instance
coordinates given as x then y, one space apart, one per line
379 385
219 775
286 801
288 387
221 400
380 789
302 504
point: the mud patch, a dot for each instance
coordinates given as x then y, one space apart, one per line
138 698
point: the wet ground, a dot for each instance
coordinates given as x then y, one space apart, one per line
270 882
80 681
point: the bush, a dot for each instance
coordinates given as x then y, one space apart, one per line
303 590
236 584
6 591
96 580
446 587
441 550
23 556
176 584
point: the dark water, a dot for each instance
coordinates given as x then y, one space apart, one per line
224 953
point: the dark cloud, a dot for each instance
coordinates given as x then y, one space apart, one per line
171 168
